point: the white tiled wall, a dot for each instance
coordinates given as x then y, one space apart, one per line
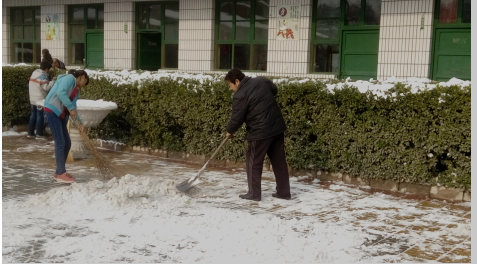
119 46
405 48
58 47
196 35
5 34
287 57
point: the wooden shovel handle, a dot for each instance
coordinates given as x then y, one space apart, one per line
217 150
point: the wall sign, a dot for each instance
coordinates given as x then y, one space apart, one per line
52 30
288 17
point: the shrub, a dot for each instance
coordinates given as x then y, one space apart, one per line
421 138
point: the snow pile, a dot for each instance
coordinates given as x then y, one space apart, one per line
138 219
95 104
129 77
380 88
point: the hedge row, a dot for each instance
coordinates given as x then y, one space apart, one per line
412 137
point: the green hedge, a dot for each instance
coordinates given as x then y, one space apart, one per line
408 138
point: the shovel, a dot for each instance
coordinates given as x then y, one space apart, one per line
188 184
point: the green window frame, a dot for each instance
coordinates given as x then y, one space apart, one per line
241 35
25 35
82 19
166 22
329 20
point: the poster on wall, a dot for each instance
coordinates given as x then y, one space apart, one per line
288 18
52 29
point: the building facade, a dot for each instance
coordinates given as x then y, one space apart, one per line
361 39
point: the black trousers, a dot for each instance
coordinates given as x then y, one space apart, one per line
274 147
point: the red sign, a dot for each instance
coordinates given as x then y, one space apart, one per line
282 11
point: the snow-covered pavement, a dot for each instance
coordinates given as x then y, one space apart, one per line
142 218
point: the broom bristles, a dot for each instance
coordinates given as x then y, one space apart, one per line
103 165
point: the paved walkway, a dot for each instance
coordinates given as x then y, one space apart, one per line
403 230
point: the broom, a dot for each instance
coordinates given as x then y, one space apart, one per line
70 158
103 165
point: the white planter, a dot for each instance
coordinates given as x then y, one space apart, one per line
92 114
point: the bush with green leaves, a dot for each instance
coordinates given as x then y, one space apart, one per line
421 138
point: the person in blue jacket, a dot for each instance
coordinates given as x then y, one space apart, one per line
60 104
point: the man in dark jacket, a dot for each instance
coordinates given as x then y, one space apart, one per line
254 103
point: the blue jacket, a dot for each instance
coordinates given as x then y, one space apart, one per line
59 95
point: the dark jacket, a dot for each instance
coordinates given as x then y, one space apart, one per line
254 103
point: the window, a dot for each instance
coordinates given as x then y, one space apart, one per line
330 17
82 20
25 35
453 11
241 35
161 18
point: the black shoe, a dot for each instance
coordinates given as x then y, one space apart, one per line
277 196
249 197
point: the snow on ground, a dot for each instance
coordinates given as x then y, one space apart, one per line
144 219
11 132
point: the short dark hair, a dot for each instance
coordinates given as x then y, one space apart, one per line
234 74
78 73
45 65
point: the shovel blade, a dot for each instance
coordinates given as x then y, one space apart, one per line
184 186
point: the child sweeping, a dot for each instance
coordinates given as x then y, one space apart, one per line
60 104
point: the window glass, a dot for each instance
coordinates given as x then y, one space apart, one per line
142 17
17 17
259 58
262 9
224 56
328 8
261 30
78 15
327 29
372 13
28 52
448 11
242 30
100 18
172 14
17 52
17 32
242 56
225 31
466 11
155 17
352 12
28 16
77 32
37 16
77 53
91 22
242 10
37 53
37 32
171 31
28 32
327 58
226 10
171 55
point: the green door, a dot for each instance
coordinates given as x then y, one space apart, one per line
95 50
359 50
452 54
149 51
